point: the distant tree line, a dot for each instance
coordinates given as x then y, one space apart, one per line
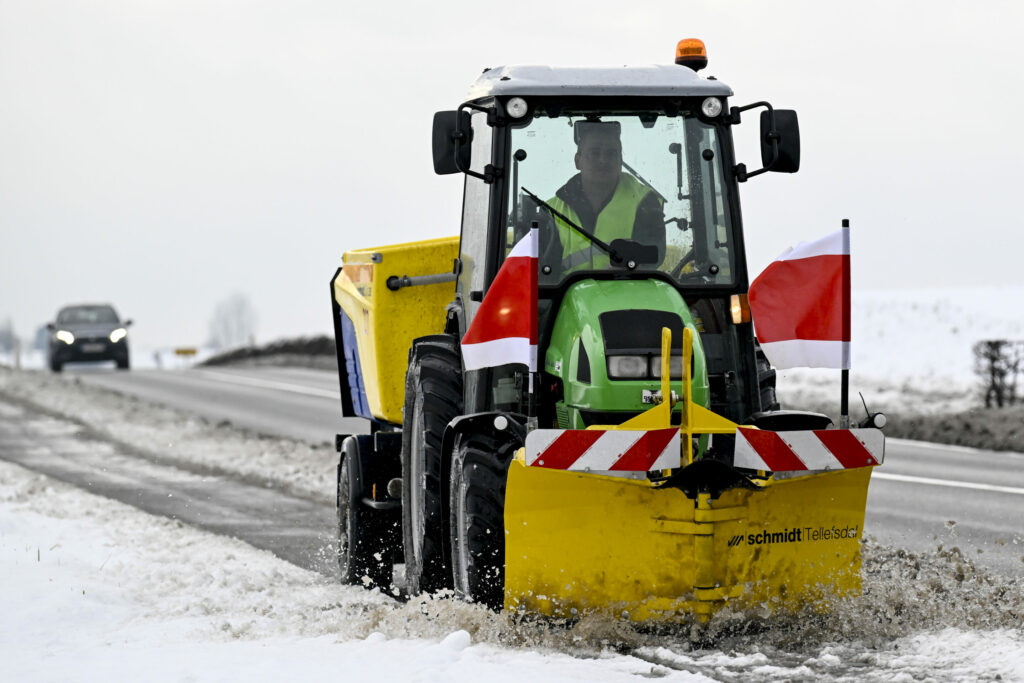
233 323
999 364
7 336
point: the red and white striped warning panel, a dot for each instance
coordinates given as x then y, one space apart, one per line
598 450
825 449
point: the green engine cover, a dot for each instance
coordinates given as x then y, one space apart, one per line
602 318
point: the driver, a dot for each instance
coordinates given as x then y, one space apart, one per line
604 200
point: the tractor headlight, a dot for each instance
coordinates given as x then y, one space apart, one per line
627 367
516 107
675 367
711 107
65 336
118 334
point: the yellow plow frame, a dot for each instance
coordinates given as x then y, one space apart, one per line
578 543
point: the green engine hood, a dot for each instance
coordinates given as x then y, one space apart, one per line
599 318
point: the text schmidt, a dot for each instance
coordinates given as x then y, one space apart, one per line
799 534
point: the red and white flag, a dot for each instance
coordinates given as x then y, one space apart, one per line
504 329
801 305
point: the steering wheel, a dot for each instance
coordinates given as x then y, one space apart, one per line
688 257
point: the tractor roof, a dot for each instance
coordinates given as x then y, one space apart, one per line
651 81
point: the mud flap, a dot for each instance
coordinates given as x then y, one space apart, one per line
578 543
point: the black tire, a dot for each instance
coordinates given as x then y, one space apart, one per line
364 555
765 381
433 397
123 363
56 365
479 472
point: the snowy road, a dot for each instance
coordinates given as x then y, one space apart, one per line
295 529
112 592
923 494
295 402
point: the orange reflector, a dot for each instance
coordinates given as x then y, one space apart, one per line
357 273
740 308
373 492
691 52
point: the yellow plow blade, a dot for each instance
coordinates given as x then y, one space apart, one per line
579 543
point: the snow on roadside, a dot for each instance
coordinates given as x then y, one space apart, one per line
97 590
177 437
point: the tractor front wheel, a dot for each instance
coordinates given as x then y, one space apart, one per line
478 475
433 398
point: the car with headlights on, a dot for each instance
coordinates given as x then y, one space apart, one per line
88 332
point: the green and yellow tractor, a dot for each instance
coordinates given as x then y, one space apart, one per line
637 469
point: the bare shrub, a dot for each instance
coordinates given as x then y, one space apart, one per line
999 364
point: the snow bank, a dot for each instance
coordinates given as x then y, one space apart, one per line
96 590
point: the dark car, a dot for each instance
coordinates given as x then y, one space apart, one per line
88 332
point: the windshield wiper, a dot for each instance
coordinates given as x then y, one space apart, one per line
612 253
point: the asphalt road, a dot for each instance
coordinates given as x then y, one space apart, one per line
930 494
923 496
299 403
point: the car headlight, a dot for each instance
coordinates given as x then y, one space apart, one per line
627 367
118 334
65 336
675 367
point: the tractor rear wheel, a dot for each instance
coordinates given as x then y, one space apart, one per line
433 398
766 381
477 518
364 536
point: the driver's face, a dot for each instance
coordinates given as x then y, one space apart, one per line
599 158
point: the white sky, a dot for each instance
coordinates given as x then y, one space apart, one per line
161 155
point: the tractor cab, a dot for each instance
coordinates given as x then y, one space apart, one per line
629 175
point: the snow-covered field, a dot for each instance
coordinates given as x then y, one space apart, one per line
912 350
97 590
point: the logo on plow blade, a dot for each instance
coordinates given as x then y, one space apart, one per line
795 535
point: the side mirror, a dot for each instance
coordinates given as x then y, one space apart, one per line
128 322
787 135
452 136
51 326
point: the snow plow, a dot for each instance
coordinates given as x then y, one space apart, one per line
569 411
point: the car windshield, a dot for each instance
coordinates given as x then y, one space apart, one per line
648 186
87 315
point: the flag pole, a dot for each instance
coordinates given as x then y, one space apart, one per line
844 398
532 372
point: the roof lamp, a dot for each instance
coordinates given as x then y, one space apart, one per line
516 107
691 52
711 107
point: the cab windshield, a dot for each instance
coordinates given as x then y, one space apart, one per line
647 186
87 315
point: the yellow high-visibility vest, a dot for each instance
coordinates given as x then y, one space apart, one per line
614 222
